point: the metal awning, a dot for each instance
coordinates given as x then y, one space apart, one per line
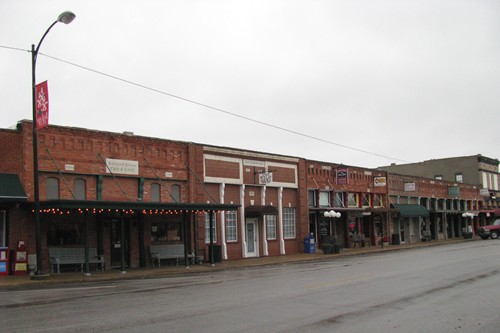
11 189
408 210
259 210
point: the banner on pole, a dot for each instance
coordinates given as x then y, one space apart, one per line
42 105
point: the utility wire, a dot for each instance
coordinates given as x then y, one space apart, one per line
214 108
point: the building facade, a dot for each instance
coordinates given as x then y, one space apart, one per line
121 195
475 169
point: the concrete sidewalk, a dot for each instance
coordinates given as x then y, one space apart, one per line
26 281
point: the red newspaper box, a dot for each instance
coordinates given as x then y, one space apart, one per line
20 262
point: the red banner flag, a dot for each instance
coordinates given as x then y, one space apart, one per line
42 105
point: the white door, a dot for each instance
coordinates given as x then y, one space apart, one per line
252 238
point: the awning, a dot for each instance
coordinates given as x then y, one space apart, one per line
407 210
259 210
11 189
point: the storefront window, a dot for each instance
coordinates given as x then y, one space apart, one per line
289 227
231 226
366 200
64 233
271 226
339 199
166 231
352 200
324 199
377 201
207 228
312 198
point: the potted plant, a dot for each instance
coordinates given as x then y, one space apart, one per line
385 240
327 245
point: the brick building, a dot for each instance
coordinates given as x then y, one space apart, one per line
430 205
121 194
358 194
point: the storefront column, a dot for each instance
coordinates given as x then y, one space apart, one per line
280 218
122 243
86 242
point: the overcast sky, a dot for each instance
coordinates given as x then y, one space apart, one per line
364 83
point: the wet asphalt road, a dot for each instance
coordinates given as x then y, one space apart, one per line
449 288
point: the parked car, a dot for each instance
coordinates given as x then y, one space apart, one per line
492 231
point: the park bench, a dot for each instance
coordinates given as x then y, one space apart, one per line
359 239
169 251
426 235
73 256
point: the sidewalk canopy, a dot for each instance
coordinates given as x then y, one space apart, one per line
407 210
259 210
11 189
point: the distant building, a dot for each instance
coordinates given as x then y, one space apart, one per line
475 169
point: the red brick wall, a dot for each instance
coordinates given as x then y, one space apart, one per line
10 151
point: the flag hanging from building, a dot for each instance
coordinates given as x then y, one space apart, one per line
42 105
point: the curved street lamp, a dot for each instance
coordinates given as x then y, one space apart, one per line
66 18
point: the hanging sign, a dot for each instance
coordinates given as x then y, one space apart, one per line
42 105
342 176
379 181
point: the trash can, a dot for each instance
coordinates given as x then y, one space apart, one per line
396 240
217 250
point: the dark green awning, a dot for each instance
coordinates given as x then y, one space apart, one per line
407 210
257 211
11 189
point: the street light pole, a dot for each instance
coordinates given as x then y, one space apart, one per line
66 18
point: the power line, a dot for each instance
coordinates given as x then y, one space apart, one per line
213 108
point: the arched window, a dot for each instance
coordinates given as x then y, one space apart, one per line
52 188
176 193
79 189
155 193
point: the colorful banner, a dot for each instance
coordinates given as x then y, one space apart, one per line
42 105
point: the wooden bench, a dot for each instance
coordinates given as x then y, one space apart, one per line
73 256
426 236
169 251
359 239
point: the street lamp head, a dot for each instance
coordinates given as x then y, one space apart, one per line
66 17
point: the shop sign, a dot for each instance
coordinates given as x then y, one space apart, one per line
410 187
265 178
379 181
124 167
454 191
484 192
342 176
